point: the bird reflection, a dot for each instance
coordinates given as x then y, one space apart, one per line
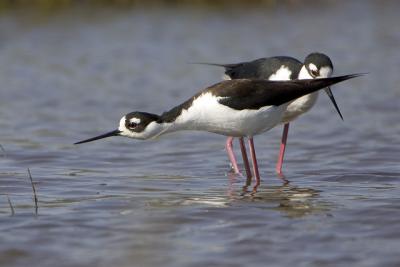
292 200
233 178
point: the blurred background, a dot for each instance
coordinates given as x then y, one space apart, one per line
69 70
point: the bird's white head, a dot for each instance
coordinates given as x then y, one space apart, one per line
318 65
140 125
136 125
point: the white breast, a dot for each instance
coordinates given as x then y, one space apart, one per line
302 104
206 114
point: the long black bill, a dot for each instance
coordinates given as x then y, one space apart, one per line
113 133
329 93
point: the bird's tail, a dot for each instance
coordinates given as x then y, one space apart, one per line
226 66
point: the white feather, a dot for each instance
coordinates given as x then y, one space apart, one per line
282 74
302 104
207 114
135 120
226 77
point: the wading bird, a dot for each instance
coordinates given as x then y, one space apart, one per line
238 108
280 68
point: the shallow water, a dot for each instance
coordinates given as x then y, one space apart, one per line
173 202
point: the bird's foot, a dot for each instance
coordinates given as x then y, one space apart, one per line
281 176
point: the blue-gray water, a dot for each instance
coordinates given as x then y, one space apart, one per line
172 202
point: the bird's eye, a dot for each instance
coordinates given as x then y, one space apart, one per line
132 125
314 73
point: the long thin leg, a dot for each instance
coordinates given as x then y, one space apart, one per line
231 155
244 156
282 149
246 185
254 161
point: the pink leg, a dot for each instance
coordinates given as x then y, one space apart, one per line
231 155
254 161
245 159
282 149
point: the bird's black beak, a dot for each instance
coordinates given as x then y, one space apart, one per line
113 133
329 93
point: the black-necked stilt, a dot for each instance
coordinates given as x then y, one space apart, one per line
316 65
239 108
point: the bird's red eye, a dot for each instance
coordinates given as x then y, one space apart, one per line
132 125
314 73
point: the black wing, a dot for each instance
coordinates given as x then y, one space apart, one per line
261 68
253 94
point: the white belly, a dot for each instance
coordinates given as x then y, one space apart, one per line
299 106
206 114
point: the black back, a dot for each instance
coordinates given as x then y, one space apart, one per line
262 68
254 94
243 94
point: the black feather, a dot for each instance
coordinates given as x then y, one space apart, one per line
254 94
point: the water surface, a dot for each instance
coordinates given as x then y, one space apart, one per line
173 201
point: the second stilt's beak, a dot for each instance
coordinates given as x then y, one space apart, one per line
329 93
112 133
